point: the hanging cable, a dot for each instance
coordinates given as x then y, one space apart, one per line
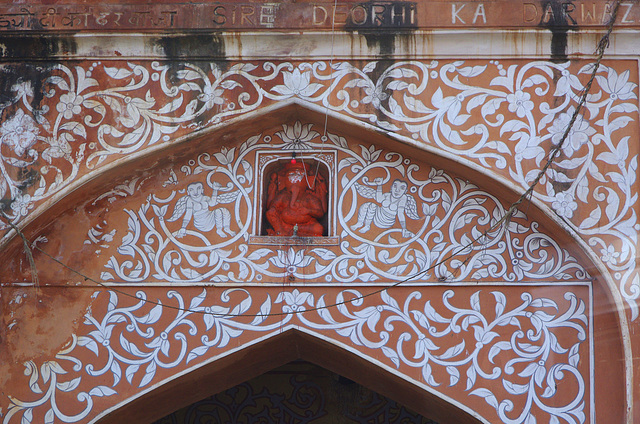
601 47
324 137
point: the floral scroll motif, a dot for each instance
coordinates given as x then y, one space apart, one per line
434 217
502 115
52 375
442 343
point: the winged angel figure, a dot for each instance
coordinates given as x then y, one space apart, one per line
391 205
196 205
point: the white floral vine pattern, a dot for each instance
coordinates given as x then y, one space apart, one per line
129 106
52 374
449 213
452 340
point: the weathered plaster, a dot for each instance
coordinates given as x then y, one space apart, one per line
41 334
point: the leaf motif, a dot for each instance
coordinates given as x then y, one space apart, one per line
190 86
59 81
543 302
487 395
428 377
391 354
471 377
548 392
27 416
49 417
68 386
453 351
265 309
613 202
421 318
369 67
199 351
620 122
209 320
229 84
153 316
196 301
56 368
323 311
164 347
117 372
515 321
454 375
495 349
258 254
476 101
243 67
100 391
228 333
529 370
446 201
389 300
325 254
242 307
117 73
188 74
488 337
134 136
574 355
113 301
126 345
129 373
433 315
501 301
45 369
470 72
515 389
490 107
475 301
150 373
75 128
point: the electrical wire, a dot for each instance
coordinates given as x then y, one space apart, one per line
602 45
326 106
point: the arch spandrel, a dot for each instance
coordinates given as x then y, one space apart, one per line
478 340
127 348
391 216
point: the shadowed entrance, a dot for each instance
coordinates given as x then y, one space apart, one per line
298 392
287 351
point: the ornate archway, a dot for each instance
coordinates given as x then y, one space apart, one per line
493 330
268 354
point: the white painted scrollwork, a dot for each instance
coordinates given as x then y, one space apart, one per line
454 340
424 218
52 374
502 115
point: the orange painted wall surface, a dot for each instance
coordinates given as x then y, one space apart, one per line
143 288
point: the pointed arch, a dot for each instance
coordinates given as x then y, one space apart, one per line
239 366
266 354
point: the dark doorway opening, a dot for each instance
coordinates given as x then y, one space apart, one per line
296 393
